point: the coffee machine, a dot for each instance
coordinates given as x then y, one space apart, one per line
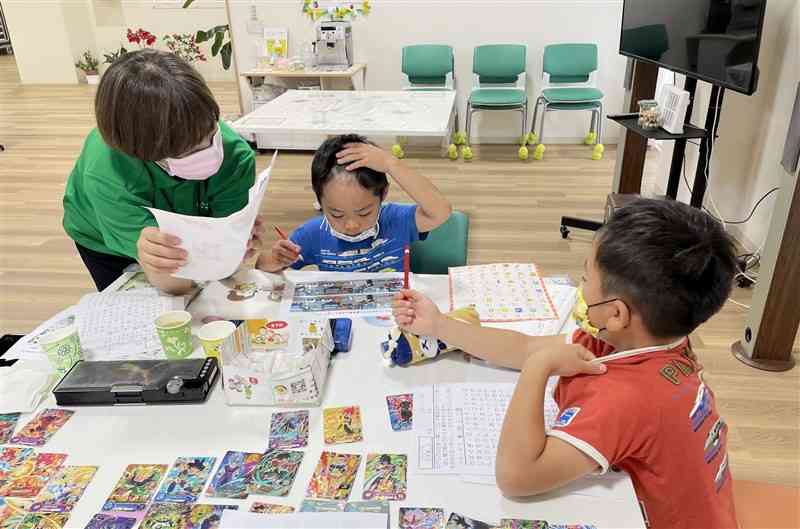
334 44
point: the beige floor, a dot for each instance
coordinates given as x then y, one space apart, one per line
514 209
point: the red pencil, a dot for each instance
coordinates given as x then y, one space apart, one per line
406 266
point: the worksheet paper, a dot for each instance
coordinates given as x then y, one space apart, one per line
340 294
563 296
216 246
502 292
457 426
121 325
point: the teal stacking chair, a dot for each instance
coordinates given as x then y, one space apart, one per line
569 73
499 84
445 246
430 67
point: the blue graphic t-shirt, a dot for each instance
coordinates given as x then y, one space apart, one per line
397 226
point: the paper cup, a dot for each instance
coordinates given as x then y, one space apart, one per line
63 348
217 338
175 332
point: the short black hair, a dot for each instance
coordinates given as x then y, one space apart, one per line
325 166
153 105
674 263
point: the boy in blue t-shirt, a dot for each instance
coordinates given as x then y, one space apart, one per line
357 232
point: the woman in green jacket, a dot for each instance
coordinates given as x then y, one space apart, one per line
159 143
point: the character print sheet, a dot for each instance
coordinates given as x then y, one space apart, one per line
458 425
340 294
502 292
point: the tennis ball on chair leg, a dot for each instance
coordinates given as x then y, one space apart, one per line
452 152
597 152
590 138
397 151
523 153
466 152
531 138
538 152
460 138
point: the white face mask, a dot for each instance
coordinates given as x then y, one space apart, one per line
200 165
363 236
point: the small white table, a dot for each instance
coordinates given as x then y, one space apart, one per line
113 437
328 79
372 114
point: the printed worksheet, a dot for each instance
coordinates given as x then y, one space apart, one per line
216 246
458 425
502 292
340 294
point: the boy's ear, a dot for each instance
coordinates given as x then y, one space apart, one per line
620 316
385 192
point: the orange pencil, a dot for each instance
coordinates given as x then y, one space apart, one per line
283 236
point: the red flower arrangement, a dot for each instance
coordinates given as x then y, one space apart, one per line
141 37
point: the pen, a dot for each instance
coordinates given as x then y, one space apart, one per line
406 266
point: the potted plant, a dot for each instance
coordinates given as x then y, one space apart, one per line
184 45
141 37
88 64
112 56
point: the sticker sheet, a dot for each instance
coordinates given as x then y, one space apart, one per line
385 477
362 294
275 473
42 427
55 520
64 489
185 480
502 292
342 425
334 476
11 461
135 488
289 429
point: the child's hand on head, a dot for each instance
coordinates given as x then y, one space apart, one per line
565 360
416 313
357 155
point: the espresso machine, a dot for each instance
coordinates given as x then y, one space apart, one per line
334 45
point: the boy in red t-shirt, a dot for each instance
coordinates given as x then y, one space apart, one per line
656 271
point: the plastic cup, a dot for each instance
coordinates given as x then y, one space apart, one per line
175 332
217 338
63 348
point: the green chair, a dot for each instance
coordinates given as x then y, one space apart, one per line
499 84
445 246
431 67
569 72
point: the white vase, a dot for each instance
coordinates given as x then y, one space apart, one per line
93 78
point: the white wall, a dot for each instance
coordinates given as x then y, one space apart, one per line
49 35
752 131
41 41
463 24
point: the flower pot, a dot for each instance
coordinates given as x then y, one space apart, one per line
92 78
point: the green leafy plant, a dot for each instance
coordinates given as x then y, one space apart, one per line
184 45
112 56
88 63
219 36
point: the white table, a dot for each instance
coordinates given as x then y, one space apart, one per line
115 437
306 113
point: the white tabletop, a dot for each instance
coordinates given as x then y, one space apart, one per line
363 112
314 72
112 437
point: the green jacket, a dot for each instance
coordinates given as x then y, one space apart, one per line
107 192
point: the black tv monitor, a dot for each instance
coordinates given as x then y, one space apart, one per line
711 40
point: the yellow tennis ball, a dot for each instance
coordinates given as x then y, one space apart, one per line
467 154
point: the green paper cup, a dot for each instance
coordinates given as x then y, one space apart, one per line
175 332
217 338
63 348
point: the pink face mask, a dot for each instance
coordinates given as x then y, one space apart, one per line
200 165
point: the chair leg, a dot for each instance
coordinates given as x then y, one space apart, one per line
538 153
599 148
591 136
523 148
466 151
532 137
